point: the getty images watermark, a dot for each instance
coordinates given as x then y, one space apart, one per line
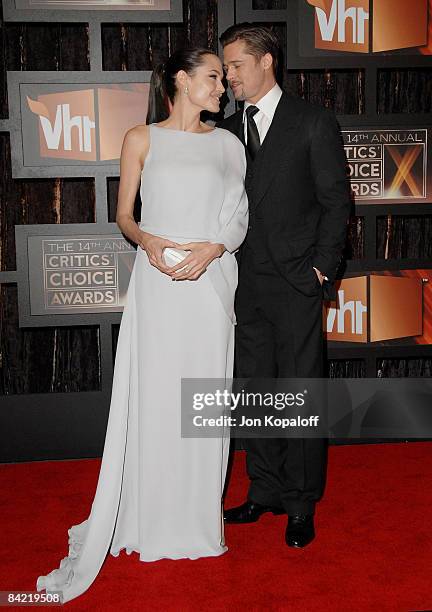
225 399
307 408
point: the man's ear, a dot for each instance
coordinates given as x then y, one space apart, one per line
267 61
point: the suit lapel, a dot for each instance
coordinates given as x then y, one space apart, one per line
277 140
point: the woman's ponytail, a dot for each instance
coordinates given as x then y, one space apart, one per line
158 108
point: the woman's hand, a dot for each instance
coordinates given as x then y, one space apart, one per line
202 253
154 246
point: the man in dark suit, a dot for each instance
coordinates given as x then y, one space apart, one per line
299 205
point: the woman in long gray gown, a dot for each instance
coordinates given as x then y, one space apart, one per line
159 494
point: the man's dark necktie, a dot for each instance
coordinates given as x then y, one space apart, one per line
253 139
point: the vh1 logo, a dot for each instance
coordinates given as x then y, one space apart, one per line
375 308
86 124
345 25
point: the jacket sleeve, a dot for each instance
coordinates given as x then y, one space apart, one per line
234 213
328 166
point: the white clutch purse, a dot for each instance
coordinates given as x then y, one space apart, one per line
172 256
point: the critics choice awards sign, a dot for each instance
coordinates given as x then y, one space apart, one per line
388 165
78 273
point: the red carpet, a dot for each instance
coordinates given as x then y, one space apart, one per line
373 550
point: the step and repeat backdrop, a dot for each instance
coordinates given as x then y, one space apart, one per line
78 77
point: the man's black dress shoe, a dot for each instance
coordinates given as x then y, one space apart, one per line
249 512
300 530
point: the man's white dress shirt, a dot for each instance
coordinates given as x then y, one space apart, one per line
264 117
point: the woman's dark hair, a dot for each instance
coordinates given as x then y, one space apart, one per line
258 39
163 80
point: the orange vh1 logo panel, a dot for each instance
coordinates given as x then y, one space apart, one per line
375 308
66 124
396 307
344 25
85 124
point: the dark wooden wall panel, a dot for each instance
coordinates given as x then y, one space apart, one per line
406 367
340 90
404 90
115 335
354 248
52 46
144 46
404 237
45 360
346 368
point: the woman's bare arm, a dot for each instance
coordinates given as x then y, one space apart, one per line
134 151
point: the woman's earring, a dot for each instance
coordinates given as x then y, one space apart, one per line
186 90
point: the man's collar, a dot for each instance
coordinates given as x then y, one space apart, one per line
268 103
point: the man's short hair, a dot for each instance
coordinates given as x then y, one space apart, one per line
258 39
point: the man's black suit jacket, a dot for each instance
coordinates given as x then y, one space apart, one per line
298 192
